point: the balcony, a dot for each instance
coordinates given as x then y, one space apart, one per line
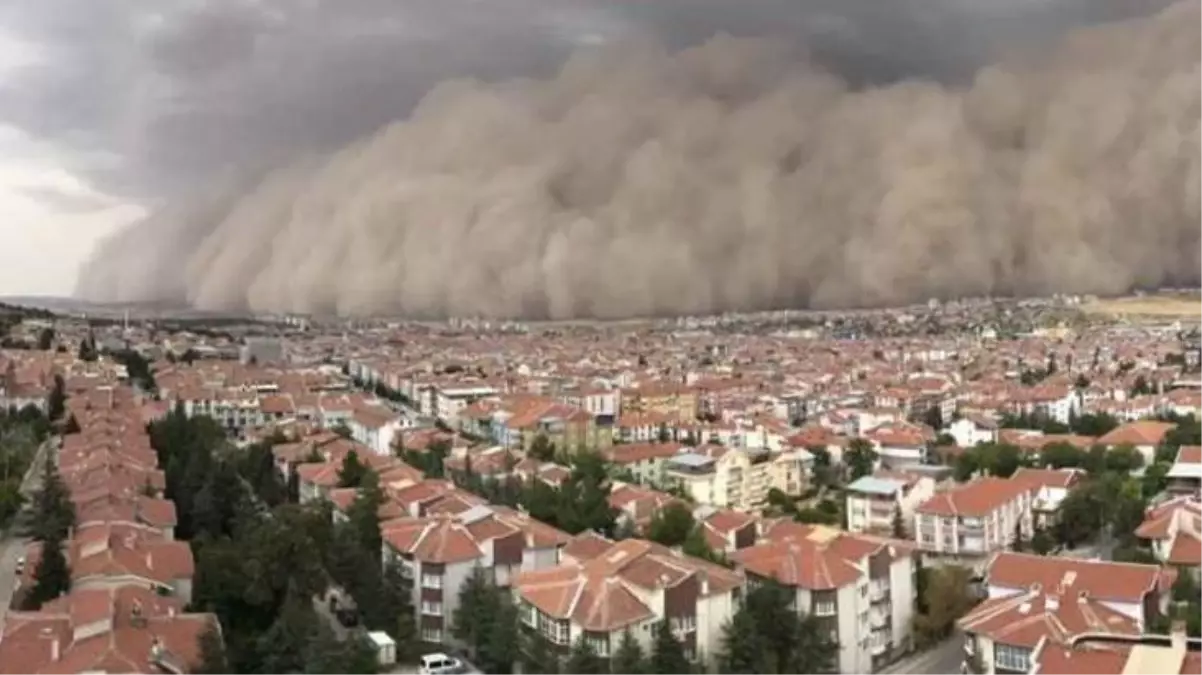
878 619
878 592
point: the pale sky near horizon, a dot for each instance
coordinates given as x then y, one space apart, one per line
49 216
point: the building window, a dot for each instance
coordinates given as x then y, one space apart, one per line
431 608
824 608
1012 658
558 632
683 624
433 635
431 581
600 644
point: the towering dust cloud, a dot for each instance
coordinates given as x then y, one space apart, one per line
728 176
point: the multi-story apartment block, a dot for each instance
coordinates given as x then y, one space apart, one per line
603 589
1034 600
645 462
1174 529
975 519
860 588
875 503
439 551
725 477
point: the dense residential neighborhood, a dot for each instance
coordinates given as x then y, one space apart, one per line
288 495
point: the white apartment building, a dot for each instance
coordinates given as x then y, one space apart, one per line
440 552
377 428
873 502
972 429
975 519
860 589
734 478
602 590
450 399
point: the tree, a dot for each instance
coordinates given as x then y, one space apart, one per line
542 449
1041 542
52 577
486 622
45 339
860 458
87 348
53 510
1007 460
326 654
695 545
629 656
537 656
671 525
213 660
766 635
1140 387
966 466
667 654
743 649
282 649
946 598
1061 455
1019 544
584 660
350 475
1124 458
56 403
1185 588
583 501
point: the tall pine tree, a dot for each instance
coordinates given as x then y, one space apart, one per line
667 654
52 577
629 656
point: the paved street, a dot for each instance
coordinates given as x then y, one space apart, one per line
12 545
944 658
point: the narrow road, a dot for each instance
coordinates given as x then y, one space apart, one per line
944 658
12 545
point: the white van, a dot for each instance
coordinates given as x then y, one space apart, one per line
440 664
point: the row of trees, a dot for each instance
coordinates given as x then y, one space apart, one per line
51 521
21 432
264 564
1004 459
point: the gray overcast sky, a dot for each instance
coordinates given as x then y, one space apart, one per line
107 107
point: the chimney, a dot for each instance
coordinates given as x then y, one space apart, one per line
135 614
1052 602
54 653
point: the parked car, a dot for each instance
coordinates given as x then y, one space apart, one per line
440 664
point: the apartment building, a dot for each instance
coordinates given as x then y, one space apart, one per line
975 519
1033 600
1174 529
603 589
737 478
874 503
1143 435
377 427
644 462
1049 488
1185 476
441 548
860 588
450 400
725 477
